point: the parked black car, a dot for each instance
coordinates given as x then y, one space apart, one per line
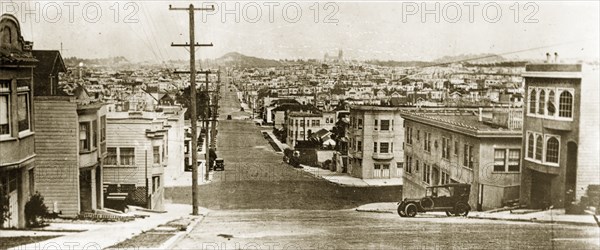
219 164
451 198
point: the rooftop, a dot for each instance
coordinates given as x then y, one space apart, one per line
466 123
303 114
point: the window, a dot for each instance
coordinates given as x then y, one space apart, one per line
374 147
377 166
94 134
301 122
4 118
385 125
399 165
565 107
84 136
360 123
408 137
552 146
427 142
156 154
444 178
316 123
103 128
456 148
359 145
418 135
499 160
550 104
542 102
445 148
530 146
468 156
384 147
532 101
127 156
111 156
426 177
514 160
375 125
417 165
23 111
538 147
408 160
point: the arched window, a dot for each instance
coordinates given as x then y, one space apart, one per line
565 107
542 102
552 146
530 144
550 106
539 145
532 101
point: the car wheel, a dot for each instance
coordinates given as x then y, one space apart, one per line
410 210
461 210
401 211
449 213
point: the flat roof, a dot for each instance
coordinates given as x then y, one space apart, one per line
465 123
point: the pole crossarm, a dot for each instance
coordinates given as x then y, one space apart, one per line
211 8
188 45
197 72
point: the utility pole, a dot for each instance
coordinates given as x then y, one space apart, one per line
194 114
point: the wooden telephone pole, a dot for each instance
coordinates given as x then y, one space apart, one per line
194 114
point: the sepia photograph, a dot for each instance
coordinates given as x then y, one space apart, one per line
302 124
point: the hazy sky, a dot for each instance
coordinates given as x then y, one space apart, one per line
364 30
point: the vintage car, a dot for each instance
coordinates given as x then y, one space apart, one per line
219 164
450 198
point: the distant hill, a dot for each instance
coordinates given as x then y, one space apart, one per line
390 63
471 58
235 59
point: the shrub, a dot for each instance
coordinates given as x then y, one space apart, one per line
4 207
35 211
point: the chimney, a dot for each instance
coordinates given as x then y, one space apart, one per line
480 119
556 57
547 57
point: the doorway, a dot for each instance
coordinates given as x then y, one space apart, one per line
85 190
571 174
541 194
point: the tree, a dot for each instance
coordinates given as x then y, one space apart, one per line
4 206
184 97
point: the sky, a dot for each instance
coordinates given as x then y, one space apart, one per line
383 30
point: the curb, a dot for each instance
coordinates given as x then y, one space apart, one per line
168 244
572 223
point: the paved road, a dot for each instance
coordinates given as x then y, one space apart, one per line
347 229
260 203
255 176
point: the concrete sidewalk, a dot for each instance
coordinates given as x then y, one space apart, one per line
347 180
548 216
111 234
281 145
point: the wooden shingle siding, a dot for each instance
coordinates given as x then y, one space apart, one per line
56 142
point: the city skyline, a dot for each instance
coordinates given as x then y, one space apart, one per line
401 33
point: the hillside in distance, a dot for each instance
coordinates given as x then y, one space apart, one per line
235 59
